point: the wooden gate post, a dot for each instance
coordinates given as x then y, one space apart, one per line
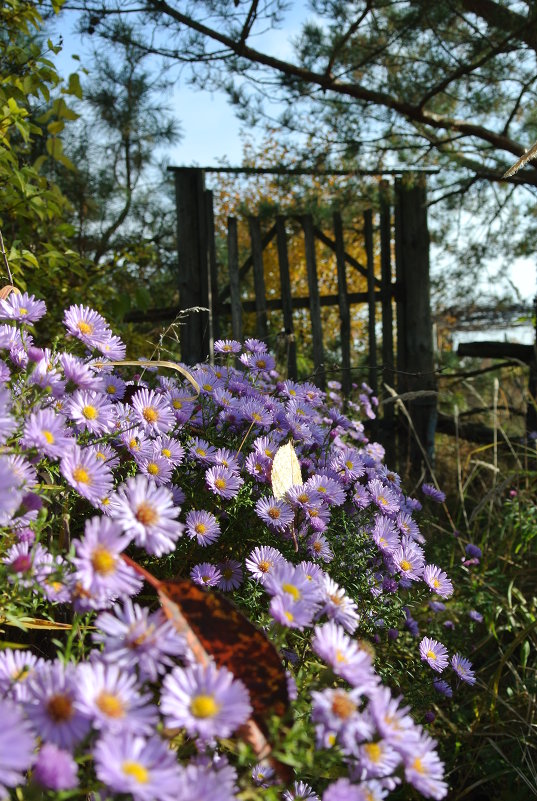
192 249
388 416
415 355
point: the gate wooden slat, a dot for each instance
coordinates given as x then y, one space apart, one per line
266 240
315 306
387 321
344 310
287 300
368 235
259 277
350 260
214 328
233 267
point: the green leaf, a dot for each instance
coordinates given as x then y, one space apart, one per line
54 147
55 127
74 86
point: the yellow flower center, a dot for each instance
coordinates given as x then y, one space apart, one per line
110 705
431 655
274 513
200 528
201 452
81 475
22 310
111 390
264 566
418 766
153 469
220 483
134 444
89 412
49 436
85 328
290 617
150 414
373 751
292 590
340 657
166 452
177 404
100 455
256 416
436 584
204 706
146 514
404 565
103 561
136 770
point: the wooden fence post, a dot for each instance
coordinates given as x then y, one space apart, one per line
193 262
214 323
388 416
259 278
344 310
415 355
368 235
287 301
315 304
233 268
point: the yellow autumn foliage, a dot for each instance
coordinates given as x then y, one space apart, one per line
265 196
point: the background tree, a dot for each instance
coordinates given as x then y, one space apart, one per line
450 84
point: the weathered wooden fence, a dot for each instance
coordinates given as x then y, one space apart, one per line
402 242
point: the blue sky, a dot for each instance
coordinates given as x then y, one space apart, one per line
211 132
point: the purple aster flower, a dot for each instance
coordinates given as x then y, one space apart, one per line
202 451
91 411
343 790
338 606
216 780
169 448
205 700
135 638
145 769
336 713
203 526
254 411
227 346
387 499
232 576
290 580
16 667
361 498
409 559
434 653
410 623
473 551
437 606
319 547
384 534
108 695
158 468
300 792
255 346
408 526
377 759
113 386
55 769
147 513
45 431
443 688
433 493
263 774
206 575
92 479
259 467
294 614
86 324
137 443
346 658
473 614
223 482
332 491
262 561
52 694
78 374
274 512
227 458
313 571
438 581
153 411
16 746
112 347
463 668
423 768
22 307
392 720
100 571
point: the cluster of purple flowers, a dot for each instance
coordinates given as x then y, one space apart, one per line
162 474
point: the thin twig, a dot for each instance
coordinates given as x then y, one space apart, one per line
4 254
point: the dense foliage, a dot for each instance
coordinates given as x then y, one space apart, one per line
324 555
